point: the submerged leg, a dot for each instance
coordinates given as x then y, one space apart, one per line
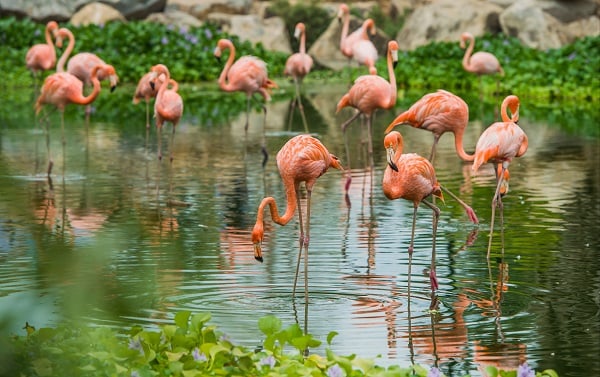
264 139
301 241
432 271
495 200
347 123
436 139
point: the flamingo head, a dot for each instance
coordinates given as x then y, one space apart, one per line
335 162
393 50
513 105
299 30
222 44
437 192
52 26
109 72
464 37
257 238
60 35
393 144
369 25
342 12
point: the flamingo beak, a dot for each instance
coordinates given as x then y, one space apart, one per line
395 58
258 252
390 159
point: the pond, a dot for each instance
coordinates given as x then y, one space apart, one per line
117 237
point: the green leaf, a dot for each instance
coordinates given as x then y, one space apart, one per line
42 367
198 320
330 336
269 324
181 319
491 371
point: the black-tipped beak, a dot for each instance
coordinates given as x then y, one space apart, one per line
395 64
152 85
218 59
112 88
393 166
260 259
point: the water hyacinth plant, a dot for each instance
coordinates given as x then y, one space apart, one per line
192 347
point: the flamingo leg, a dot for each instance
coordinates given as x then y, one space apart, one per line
291 113
301 240
306 242
50 162
147 114
436 139
412 241
300 106
159 134
370 142
347 123
468 209
495 200
432 271
247 114
264 139
172 144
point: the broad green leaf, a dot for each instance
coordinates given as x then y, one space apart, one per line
330 336
491 371
181 319
269 324
199 319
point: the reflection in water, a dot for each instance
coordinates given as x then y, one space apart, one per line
102 242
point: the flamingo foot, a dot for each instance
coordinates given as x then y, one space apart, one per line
472 215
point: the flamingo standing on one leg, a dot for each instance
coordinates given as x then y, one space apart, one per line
499 144
168 105
42 56
372 92
357 45
481 63
302 159
298 65
145 91
249 75
412 177
438 112
61 89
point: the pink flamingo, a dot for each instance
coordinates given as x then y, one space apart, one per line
358 45
500 143
145 91
298 65
42 56
302 159
372 92
412 177
249 75
81 65
168 105
481 63
438 112
63 88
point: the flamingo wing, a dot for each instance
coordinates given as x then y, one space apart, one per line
169 106
247 74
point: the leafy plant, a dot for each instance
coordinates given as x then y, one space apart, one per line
192 347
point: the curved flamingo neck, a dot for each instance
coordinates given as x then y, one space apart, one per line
460 149
345 28
392 77
511 103
258 230
466 62
223 77
164 85
60 66
302 48
48 37
96 88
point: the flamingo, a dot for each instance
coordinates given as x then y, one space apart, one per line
438 112
480 63
145 91
168 105
42 56
63 88
302 159
299 65
249 75
412 177
499 144
372 92
358 45
81 65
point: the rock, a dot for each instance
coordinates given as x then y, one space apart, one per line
445 20
137 9
532 26
39 10
271 32
202 8
174 17
584 27
97 14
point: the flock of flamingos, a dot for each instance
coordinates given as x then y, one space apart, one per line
304 158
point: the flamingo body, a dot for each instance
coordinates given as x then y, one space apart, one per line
480 63
80 65
62 88
438 112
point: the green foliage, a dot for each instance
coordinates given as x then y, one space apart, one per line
190 347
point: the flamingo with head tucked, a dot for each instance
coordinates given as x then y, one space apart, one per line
480 63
